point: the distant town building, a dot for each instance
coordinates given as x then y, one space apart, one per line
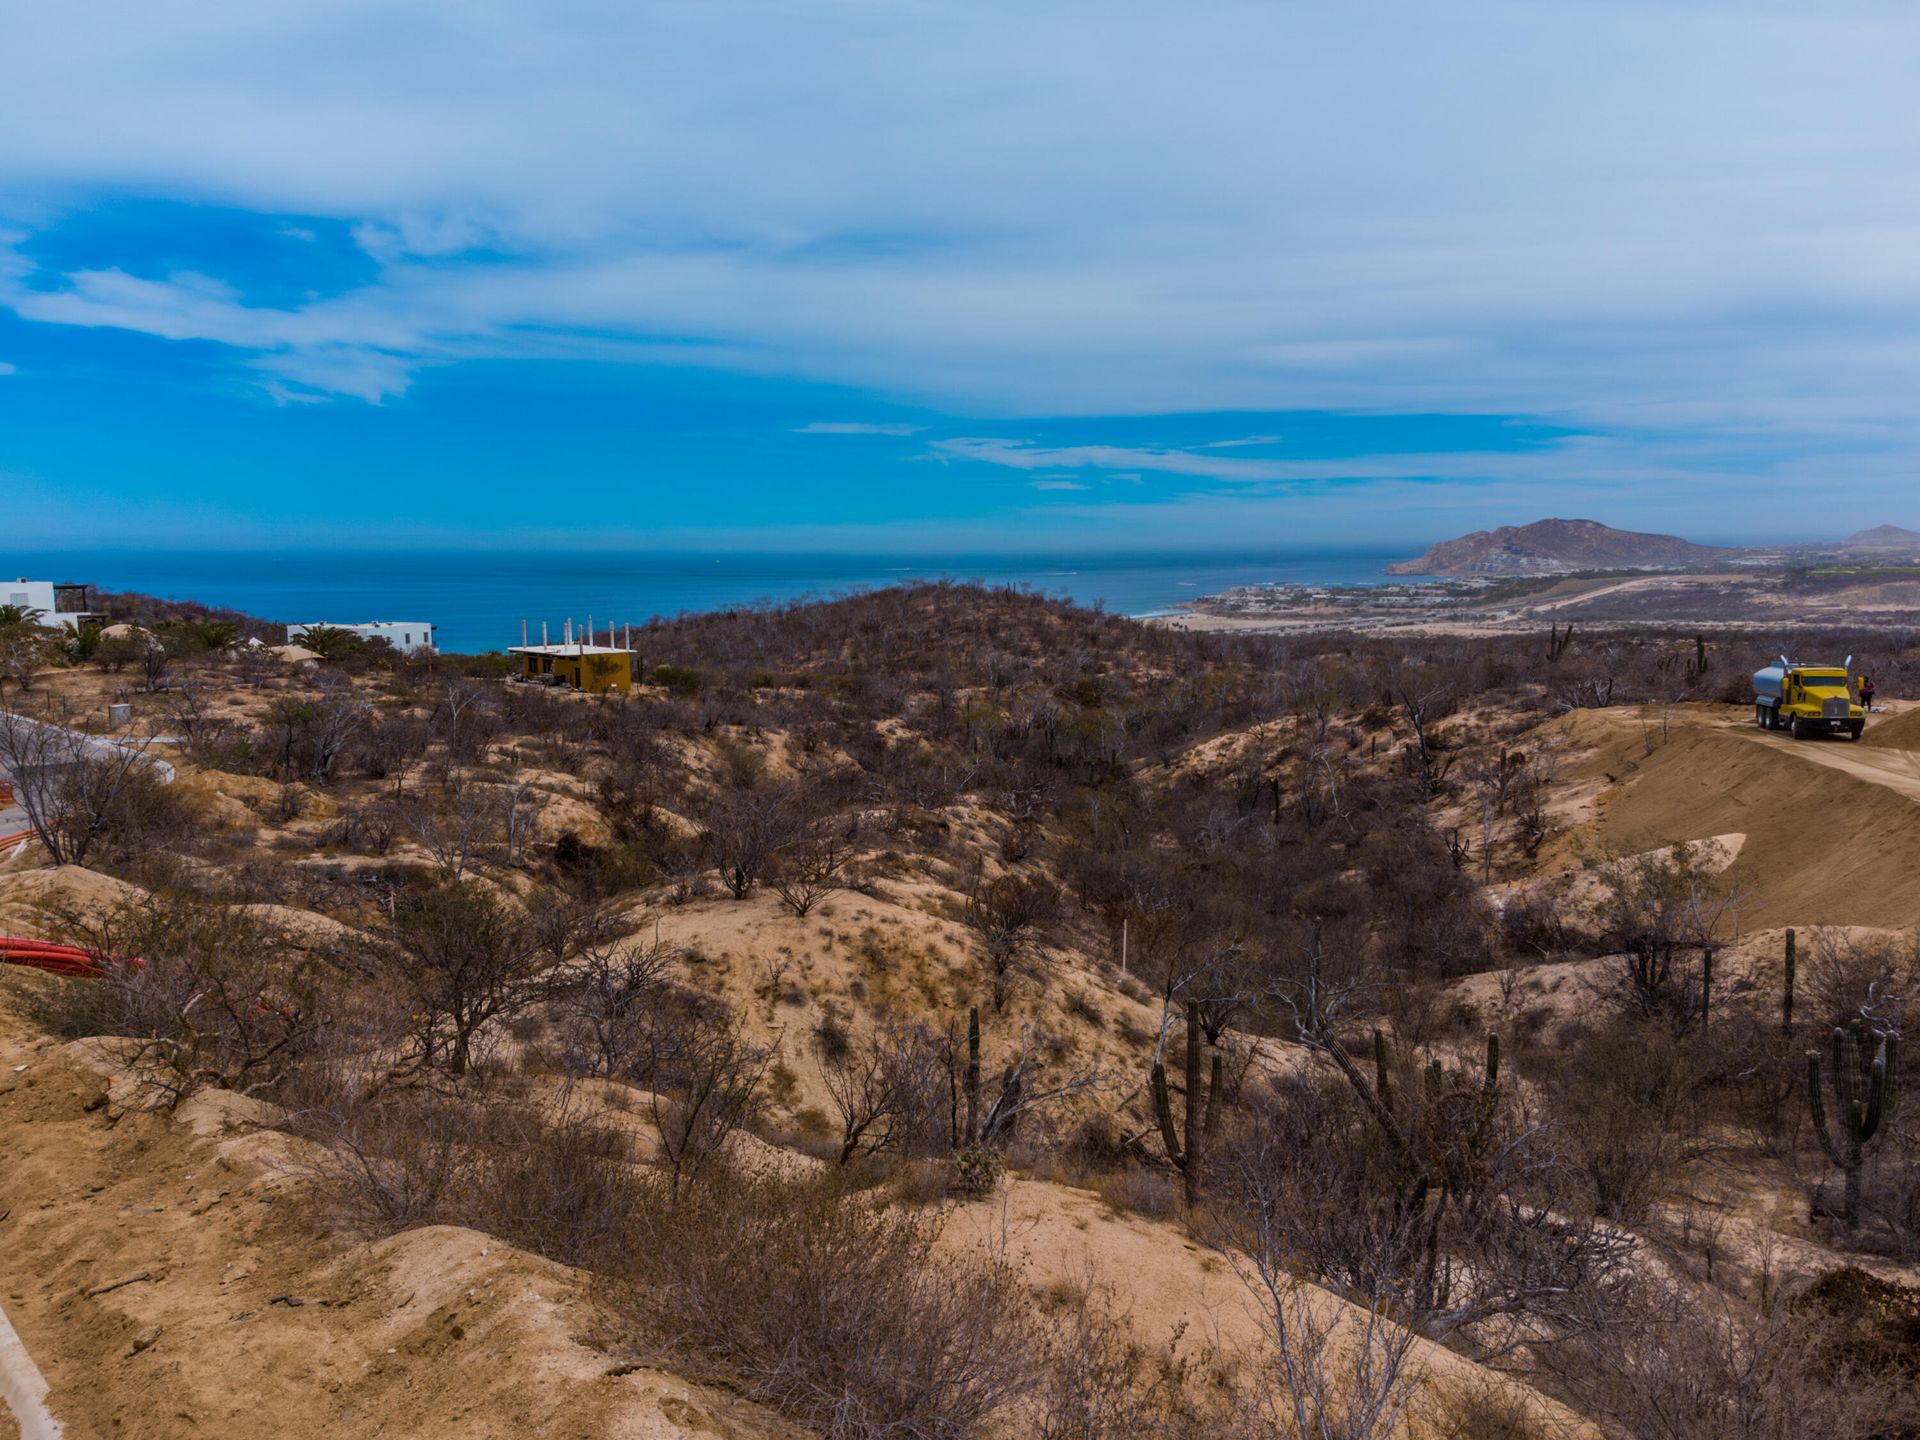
60 607
406 635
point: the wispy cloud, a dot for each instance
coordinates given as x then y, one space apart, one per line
855 427
922 206
1023 455
1059 485
8 368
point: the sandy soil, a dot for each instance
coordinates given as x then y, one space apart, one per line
1172 1287
247 1322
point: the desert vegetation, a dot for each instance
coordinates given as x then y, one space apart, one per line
752 995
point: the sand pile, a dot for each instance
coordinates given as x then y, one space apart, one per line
1896 732
1825 845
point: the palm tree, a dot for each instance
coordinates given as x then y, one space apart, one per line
329 642
20 615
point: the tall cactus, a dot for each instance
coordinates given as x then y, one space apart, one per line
1786 993
1444 1136
1557 643
1863 1100
1697 667
1189 1157
972 1079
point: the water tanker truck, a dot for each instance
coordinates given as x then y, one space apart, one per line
1806 699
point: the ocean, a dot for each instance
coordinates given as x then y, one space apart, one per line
477 598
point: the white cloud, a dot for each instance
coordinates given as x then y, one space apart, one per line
1021 455
8 368
1058 485
855 427
1627 214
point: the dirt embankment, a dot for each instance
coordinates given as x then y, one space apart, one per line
163 1276
1833 835
1894 732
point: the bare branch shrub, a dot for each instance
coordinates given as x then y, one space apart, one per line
75 790
706 1079
1663 911
467 958
211 994
808 869
1008 916
833 1310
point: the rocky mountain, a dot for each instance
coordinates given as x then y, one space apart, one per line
1555 547
1883 537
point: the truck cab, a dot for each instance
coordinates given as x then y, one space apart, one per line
1807 699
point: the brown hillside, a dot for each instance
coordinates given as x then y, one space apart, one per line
1551 547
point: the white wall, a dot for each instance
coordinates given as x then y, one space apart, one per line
401 634
35 595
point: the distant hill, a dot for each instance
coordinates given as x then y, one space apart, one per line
1883 537
1555 547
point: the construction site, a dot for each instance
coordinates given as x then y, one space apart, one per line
951 1012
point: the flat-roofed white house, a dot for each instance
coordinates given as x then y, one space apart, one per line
60 607
408 635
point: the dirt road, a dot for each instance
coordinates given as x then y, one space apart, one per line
1895 770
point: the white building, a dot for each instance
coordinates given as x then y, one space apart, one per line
61 607
403 635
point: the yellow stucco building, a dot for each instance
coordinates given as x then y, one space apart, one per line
595 669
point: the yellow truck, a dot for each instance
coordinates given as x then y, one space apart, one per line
1807 699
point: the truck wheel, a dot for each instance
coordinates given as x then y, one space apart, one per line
1760 716
1799 730
1853 730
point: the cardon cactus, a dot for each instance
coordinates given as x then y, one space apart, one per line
1187 1158
1864 1096
1786 993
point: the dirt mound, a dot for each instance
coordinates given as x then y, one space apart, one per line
308 929
1894 732
162 1276
31 899
259 795
1824 846
1170 1286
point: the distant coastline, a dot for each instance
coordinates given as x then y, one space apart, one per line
477 598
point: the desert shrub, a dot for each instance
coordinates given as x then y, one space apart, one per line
830 1308
1859 977
1098 1381
1628 1097
551 1179
1138 1191
976 1170
1864 1323
1668 1365
1487 1411
680 679
210 994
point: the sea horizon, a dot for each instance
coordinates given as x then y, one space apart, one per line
476 598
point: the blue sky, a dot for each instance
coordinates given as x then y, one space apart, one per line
976 276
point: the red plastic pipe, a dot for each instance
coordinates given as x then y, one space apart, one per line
54 958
